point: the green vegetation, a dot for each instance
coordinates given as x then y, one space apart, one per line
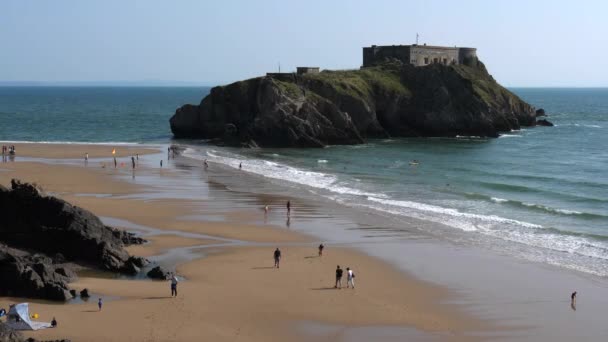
386 78
363 83
291 89
484 85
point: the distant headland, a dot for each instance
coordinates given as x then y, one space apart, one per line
399 91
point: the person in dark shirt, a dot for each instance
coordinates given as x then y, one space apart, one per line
54 323
277 257
321 249
338 278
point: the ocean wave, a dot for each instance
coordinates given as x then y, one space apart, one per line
509 136
524 233
452 212
499 200
507 187
536 206
322 161
588 126
278 171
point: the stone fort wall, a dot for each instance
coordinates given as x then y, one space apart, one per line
417 55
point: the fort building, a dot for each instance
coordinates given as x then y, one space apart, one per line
307 70
418 55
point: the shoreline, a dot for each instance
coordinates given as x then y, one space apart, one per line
424 311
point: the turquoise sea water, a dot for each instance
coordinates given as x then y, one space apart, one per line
540 193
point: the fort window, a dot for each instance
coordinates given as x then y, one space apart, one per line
445 61
426 60
435 60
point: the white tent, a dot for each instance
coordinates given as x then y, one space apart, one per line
18 318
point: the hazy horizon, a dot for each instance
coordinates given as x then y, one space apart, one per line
540 44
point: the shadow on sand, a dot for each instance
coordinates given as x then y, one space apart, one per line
165 297
324 288
263 268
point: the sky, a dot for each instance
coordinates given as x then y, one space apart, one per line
529 43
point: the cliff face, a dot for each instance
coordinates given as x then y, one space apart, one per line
346 107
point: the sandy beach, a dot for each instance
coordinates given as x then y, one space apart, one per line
230 289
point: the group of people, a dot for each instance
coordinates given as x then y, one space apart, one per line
350 274
350 278
8 149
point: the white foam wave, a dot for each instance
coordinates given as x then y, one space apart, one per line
322 161
499 200
555 210
499 227
282 172
509 136
454 212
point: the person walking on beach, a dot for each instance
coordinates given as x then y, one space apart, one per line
115 162
137 157
338 278
133 162
350 278
161 163
86 159
99 304
321 250
288 208
240 166
277 257
573 300
174 282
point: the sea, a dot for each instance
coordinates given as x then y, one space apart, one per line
539 194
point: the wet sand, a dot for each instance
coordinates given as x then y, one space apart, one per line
230 290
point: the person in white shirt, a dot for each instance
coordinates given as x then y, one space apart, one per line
350 278
174 282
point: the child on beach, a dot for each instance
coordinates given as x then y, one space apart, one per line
174 282
277 257
99 304
321 249
350 278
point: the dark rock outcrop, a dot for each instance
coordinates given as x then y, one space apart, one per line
540 112
127 238
35 276
544 122
34 226
50 225
84 293
158 273
347 107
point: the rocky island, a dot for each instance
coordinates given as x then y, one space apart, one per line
386 98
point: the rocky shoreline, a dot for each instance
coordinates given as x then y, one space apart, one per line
348 107
43 239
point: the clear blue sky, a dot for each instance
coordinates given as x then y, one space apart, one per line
523 43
